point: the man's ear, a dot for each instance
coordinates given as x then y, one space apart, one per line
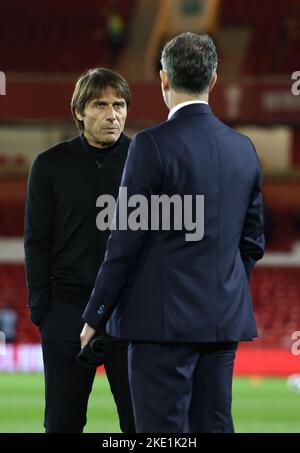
213 81
79 116
164 80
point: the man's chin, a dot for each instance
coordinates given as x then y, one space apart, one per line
105 143
109 139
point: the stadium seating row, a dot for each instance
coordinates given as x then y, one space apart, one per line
237 12
274 27
8 161
12 220
60 35
275 296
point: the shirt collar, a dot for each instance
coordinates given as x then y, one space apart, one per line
183 104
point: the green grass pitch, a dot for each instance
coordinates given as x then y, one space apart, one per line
259 405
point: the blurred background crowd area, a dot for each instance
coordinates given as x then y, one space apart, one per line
46 45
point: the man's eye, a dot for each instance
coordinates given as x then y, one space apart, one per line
100 105
119 105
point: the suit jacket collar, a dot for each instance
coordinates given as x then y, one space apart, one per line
192 109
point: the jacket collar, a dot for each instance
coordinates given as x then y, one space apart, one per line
193 109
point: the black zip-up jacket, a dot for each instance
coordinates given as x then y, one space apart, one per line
63 247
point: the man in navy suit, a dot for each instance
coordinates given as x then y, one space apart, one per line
184 304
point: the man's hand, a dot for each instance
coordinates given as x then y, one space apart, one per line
86 335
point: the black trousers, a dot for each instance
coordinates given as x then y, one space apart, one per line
182 388
67 384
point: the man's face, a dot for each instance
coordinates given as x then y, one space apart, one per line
165 87
104 119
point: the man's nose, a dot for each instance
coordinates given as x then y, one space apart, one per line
111 113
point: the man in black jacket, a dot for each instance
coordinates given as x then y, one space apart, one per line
64 248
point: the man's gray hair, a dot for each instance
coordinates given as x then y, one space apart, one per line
190 60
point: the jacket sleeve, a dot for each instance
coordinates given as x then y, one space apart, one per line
38 236
252 241
141 176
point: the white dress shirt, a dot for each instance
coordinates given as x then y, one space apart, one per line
183 104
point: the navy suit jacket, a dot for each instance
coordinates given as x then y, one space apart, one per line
155 285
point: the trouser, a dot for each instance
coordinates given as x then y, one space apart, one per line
67 384
182 388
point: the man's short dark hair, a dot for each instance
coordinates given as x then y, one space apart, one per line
190 61
92 84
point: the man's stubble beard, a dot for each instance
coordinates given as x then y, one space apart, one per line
106 144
